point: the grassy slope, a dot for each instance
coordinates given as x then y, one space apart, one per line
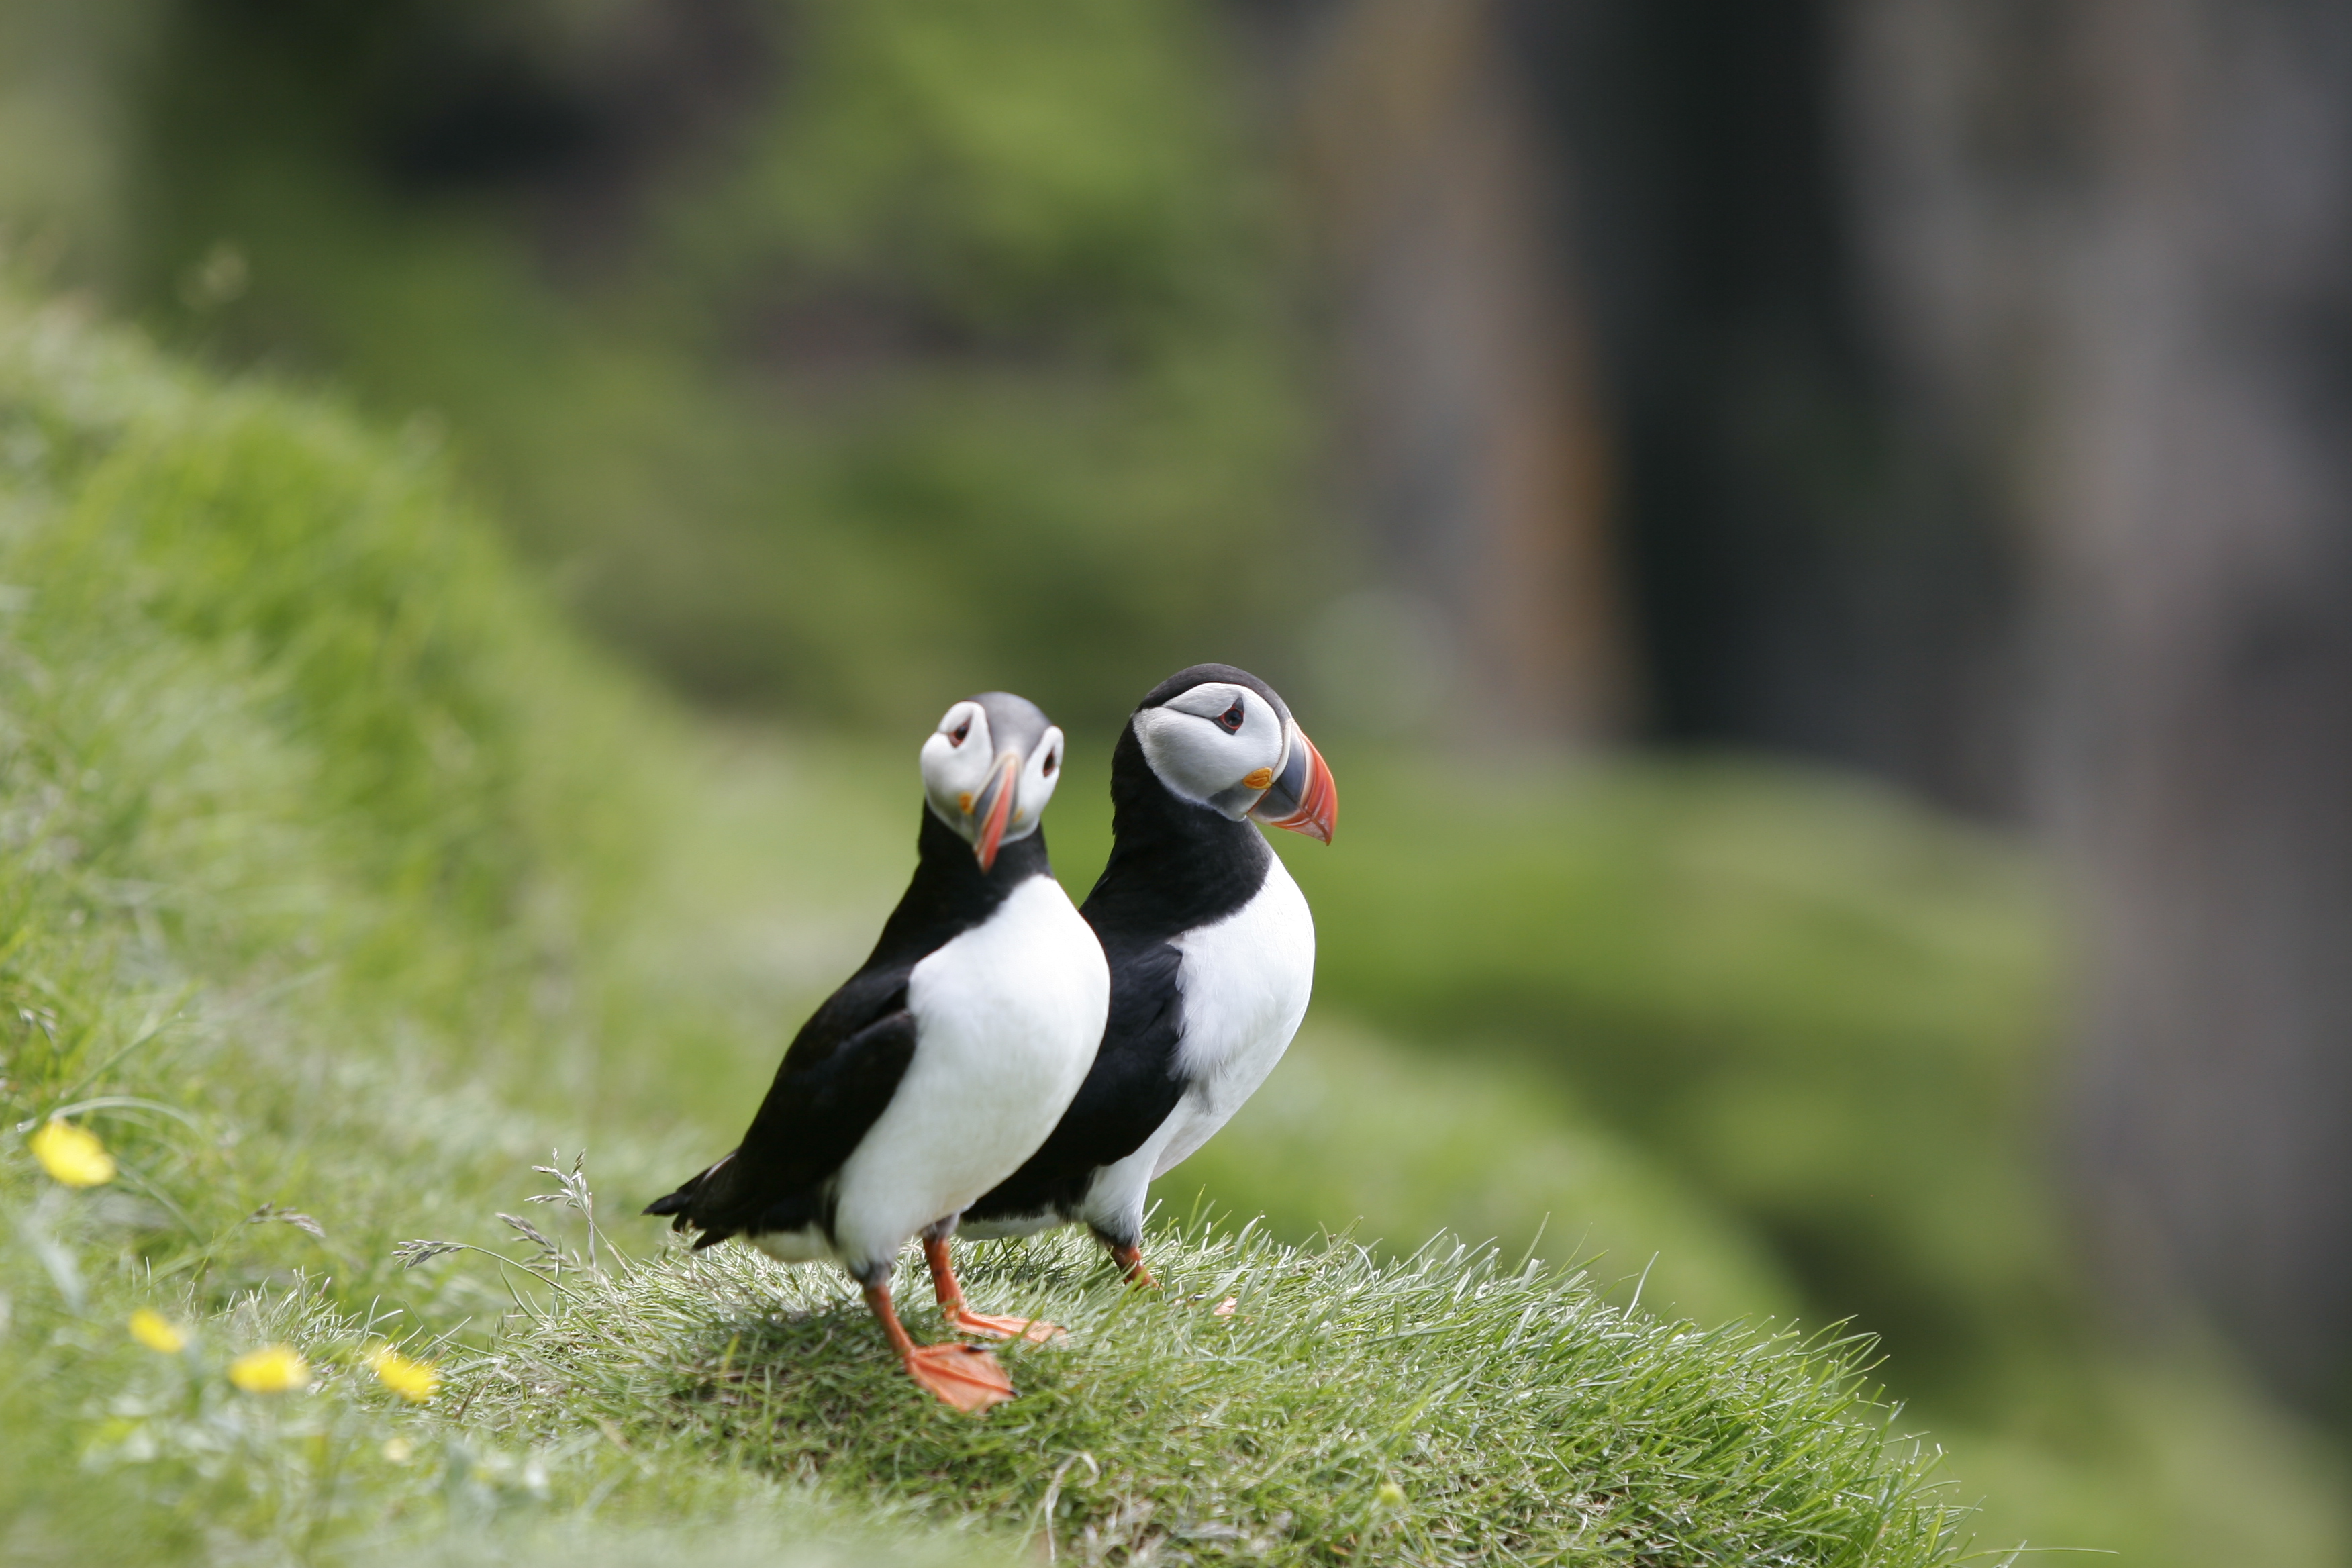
1269 1404
328 866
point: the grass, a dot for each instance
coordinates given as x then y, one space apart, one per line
1269 1404
331 881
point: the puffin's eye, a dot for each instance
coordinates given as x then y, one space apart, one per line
1232 717
956 739
1051 759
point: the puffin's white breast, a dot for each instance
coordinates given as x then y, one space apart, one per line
1244 981
1007 1020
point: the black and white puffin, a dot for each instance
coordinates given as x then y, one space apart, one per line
944 1063
1210 945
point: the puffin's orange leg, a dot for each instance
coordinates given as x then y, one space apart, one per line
1131 1264
965 1376
951 1295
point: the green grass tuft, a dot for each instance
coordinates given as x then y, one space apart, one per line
1443 1406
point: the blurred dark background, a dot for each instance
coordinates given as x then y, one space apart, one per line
1956 393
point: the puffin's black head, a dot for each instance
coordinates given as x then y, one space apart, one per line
1221 737
990 768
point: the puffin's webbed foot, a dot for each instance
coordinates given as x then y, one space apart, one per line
951 1294
965 1376
1036 1329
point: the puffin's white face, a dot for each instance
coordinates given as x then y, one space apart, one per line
1234 749
1215 745
992 788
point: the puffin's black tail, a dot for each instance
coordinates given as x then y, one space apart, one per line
680 1205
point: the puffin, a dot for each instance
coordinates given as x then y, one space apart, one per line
1211 952
941 1065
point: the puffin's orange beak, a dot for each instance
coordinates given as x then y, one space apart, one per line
997 803
1304 799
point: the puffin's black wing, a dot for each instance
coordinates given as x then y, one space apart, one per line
833 1084
845 1063
1128 1093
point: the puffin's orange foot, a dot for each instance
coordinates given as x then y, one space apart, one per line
1035 1328
1131 1264
965 1376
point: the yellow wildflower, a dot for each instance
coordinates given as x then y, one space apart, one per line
72 1154
273 1369
156 1331
413 1380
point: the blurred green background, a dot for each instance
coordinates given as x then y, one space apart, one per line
831 360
